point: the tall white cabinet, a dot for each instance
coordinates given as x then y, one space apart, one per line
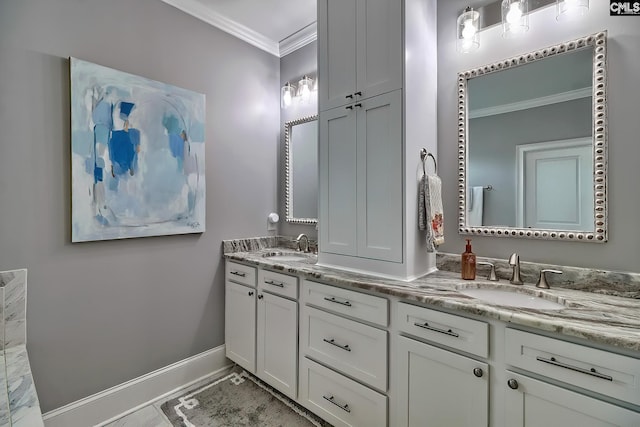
377 109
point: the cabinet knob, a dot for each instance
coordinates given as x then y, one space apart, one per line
513 384
250 293
260 296
478 372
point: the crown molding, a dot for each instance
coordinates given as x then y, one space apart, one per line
531 103
197 10
299 39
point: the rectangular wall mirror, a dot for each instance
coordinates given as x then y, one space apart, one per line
533 144
301 146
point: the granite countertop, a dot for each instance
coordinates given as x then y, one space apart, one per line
598 318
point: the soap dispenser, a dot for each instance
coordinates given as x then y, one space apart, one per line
468 263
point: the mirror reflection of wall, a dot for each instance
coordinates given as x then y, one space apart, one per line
542 103
304 169
301 140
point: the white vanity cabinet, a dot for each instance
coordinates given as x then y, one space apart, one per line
360 47
598 374
261 325
344 355
438 386
361 179
240 314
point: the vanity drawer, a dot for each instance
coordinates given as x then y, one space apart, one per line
593 369
278 283
351 303
340 400
240 273
353 348
452 331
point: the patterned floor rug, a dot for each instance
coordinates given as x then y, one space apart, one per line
237 399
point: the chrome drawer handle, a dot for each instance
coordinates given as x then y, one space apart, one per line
333 342
237 273
592 371
332 299
271 282
344 407
425 325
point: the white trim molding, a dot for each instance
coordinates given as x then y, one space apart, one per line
116 402
198 10
556 98
299 39
281 48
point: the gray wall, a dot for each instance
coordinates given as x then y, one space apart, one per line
493 156
103 313
292 67
622 249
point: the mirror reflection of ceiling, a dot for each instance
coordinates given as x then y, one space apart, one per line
556 74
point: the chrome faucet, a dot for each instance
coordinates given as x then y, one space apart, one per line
304 247
514 261
542 280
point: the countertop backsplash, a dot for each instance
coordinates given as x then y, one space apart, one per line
583 279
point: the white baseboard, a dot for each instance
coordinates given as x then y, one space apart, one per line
116 402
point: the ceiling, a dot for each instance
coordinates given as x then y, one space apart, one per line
276 26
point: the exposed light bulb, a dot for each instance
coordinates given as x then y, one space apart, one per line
469 30
286 98
468 26
514 14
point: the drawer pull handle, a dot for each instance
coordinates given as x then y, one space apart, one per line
592 371
271 282
344 407
332 299
333 342
425 325
237 273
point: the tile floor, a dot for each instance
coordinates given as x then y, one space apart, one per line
152 415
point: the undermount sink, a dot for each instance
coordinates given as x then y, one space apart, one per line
514 297
287 256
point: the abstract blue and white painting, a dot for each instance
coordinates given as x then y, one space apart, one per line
137 148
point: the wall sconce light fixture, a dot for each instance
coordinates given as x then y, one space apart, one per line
571 9
305 86
468 27
515 17
286 95
300 94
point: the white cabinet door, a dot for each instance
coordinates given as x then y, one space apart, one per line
278 343
379 47
240 325
379 177
533 403
338 214
439 388
337 52
360 50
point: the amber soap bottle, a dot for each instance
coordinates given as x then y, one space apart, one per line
468 263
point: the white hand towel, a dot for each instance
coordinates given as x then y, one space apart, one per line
475 204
